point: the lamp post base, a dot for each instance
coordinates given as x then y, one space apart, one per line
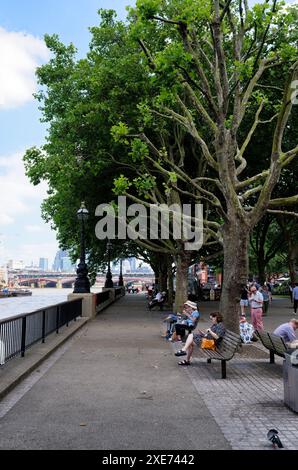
120 282
82 283
109 283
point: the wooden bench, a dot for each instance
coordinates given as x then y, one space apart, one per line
225 351
274 343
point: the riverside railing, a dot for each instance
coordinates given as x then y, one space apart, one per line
20 332
107 297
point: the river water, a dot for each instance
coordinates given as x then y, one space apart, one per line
40 298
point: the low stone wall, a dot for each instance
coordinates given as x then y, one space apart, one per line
95 303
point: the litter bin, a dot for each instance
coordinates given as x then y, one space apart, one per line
290 375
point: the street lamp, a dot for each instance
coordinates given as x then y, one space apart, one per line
109 282
120 282
82 283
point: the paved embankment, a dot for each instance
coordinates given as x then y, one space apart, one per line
114 385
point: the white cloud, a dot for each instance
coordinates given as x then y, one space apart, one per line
32 251
17 195
5 219
20 54
33 228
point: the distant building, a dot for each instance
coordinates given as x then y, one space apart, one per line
62 262
12 264
3 276
133 264
43 264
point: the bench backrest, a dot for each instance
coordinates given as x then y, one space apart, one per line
265 339
273 342
278 343
229 344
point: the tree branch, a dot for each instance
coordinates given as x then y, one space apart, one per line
292 214
284 201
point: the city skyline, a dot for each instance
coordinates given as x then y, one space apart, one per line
23 233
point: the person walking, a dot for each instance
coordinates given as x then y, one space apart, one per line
256 303
295 297
265 293
243 299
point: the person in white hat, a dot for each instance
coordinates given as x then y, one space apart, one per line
192 316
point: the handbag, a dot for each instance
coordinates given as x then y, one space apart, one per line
208 344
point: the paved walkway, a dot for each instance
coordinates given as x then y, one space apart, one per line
116 385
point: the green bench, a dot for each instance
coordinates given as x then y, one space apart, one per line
225 351
275 344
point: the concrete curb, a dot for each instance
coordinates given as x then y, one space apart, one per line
16 370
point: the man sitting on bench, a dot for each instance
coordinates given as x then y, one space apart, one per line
288 332
158 300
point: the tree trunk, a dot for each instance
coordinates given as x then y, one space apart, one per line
235 242
261 270
181 294
292 259
162 272
170 283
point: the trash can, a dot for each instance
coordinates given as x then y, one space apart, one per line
290 376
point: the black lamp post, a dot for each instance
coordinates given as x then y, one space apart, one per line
109 282
82 283
120 283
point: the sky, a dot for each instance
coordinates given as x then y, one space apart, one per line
23 233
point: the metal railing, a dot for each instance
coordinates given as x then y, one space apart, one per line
119 292
20 332
102 297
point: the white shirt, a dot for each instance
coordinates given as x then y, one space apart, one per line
158 296
255 299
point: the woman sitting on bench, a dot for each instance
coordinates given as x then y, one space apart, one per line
216 332
192 316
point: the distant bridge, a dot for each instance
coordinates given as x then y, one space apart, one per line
66 280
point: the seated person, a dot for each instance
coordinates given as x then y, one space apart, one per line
192 315
288 332
246 330
170 321
216 332
158 300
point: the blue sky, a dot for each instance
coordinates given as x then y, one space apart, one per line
23 234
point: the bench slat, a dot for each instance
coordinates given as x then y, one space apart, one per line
274 343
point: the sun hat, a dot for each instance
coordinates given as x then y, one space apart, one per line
190 304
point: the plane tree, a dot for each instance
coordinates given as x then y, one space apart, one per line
213 61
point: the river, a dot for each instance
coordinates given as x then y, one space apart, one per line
40 298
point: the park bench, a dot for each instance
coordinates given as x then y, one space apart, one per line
225 351
274 343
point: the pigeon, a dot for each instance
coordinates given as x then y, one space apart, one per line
272 435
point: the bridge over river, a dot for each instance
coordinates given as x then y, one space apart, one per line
66 280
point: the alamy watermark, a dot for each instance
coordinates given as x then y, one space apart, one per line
151 222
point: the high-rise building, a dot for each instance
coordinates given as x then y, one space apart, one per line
133 264
62 262
43 264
